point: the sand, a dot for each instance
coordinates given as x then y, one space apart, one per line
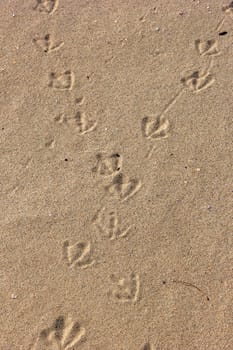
116 175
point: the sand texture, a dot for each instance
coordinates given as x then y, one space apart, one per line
116 175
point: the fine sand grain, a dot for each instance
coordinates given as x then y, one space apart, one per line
116 175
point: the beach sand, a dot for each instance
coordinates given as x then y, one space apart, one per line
116 175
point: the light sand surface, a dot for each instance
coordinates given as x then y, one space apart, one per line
116 175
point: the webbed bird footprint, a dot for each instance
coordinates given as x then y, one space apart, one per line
198 81
46 6
147 346
123 187
126 289
84 124
46 44
78 254
108 164
207 48
64 81
228 8
108 223
155 127
64 334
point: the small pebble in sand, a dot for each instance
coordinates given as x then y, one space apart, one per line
209 207
157 29
13 296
